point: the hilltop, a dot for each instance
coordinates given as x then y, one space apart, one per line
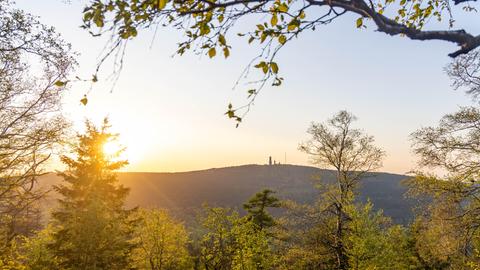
231 186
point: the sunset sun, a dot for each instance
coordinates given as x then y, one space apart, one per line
112 148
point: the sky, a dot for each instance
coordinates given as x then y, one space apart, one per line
169 111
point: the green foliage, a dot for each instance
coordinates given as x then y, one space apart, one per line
36 253
92 230
11 257
372 243
257 208
231 242
447 232
353 155
161 242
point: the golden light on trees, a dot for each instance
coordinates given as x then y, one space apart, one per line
112 149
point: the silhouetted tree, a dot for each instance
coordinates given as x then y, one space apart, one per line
465 73
92 228
257 207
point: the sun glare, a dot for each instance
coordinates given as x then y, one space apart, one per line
111 148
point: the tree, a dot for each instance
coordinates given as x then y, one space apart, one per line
257 208
370 241
33 57
162 242
207 25
217 246
465 73
452 216
373 243
230 242
92 228
35 252
352 155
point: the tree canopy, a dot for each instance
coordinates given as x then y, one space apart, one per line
33 57
207 26
93 230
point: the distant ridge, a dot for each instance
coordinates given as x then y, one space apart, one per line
232 186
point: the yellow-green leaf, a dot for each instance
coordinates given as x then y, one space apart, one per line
359 22
212 52
274 67
226 52
265 69
222 40
302 15
283 8
291 27
60 83
274 20
162 4
282 39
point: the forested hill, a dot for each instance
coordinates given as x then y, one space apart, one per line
232 186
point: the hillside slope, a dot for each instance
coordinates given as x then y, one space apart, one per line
232 186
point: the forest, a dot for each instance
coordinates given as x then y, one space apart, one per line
91 227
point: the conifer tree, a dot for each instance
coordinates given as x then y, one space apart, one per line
93 229
257 208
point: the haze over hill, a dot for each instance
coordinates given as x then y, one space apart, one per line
185 192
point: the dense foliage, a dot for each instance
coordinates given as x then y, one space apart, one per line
92 230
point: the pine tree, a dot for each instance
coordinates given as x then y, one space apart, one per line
93 229
257 206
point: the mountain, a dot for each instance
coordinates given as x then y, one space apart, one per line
185 192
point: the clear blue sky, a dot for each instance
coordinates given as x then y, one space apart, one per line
169 111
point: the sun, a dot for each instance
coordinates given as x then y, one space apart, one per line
112 149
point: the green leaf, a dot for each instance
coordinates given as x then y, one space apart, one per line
265 69
226 52
294 24
260 65
274 20
359 22
274 67
302 15
60 83
212 52
263 37
283 8
222 40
